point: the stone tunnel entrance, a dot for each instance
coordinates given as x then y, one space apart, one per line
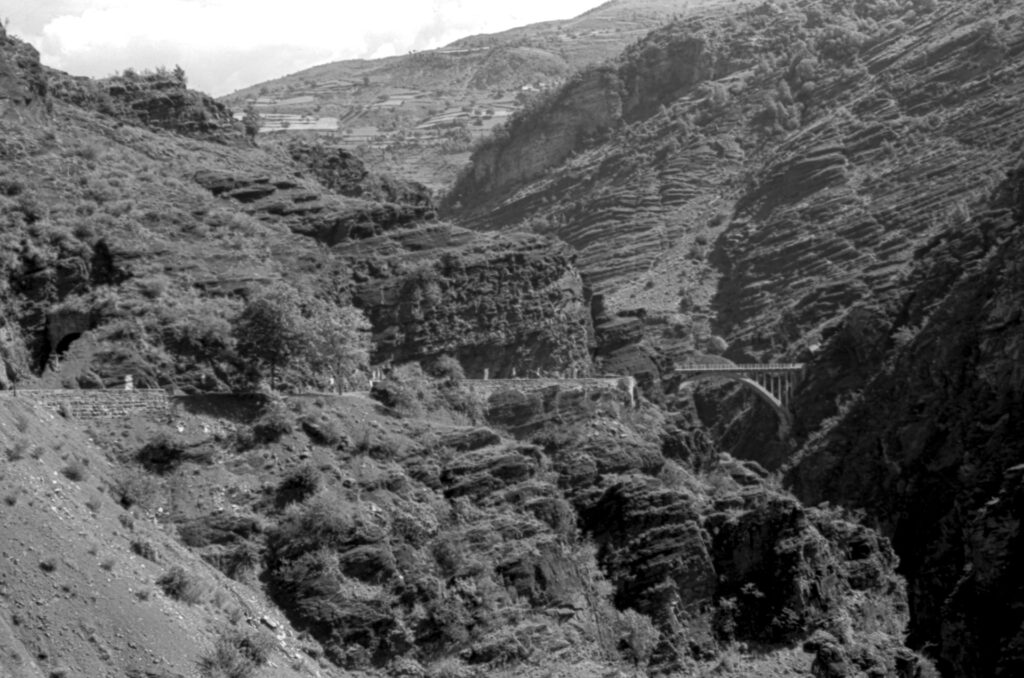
63 328
53 354
64 344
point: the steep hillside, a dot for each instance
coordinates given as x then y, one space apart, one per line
931 447
137 219
81 572
320 533
418 113
766 170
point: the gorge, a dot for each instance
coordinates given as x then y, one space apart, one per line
831 190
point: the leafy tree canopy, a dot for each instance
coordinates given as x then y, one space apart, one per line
321 341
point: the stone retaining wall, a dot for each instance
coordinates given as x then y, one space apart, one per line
97 403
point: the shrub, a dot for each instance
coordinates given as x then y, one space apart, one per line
459 400
245 438
179 584
447 368
74 471
241 561
217 528
640 636
237 653
154 286
144 549
275 422
449 667
325 431
301 483
163 453
134 488
405 389
17 450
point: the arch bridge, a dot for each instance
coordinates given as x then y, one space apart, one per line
774 383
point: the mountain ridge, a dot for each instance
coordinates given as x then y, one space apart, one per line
419 113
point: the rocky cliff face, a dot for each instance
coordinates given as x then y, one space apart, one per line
509 305
768 170
159 100
931 448
23 86
344 173
719 557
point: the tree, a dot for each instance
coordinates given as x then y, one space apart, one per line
322 341
337 340
252 121
269 330
640 634
179 75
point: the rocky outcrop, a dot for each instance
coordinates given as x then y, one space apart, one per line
307 210
23 86
159 100
497 303
525 406
718 557
342 172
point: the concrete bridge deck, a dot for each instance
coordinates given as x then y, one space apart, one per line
747 367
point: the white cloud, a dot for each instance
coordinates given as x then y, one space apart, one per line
227 44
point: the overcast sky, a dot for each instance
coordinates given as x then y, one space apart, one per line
225 45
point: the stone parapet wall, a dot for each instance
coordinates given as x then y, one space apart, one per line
97 403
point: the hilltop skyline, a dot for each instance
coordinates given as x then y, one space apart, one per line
225 45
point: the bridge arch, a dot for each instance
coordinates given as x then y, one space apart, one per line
773 384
